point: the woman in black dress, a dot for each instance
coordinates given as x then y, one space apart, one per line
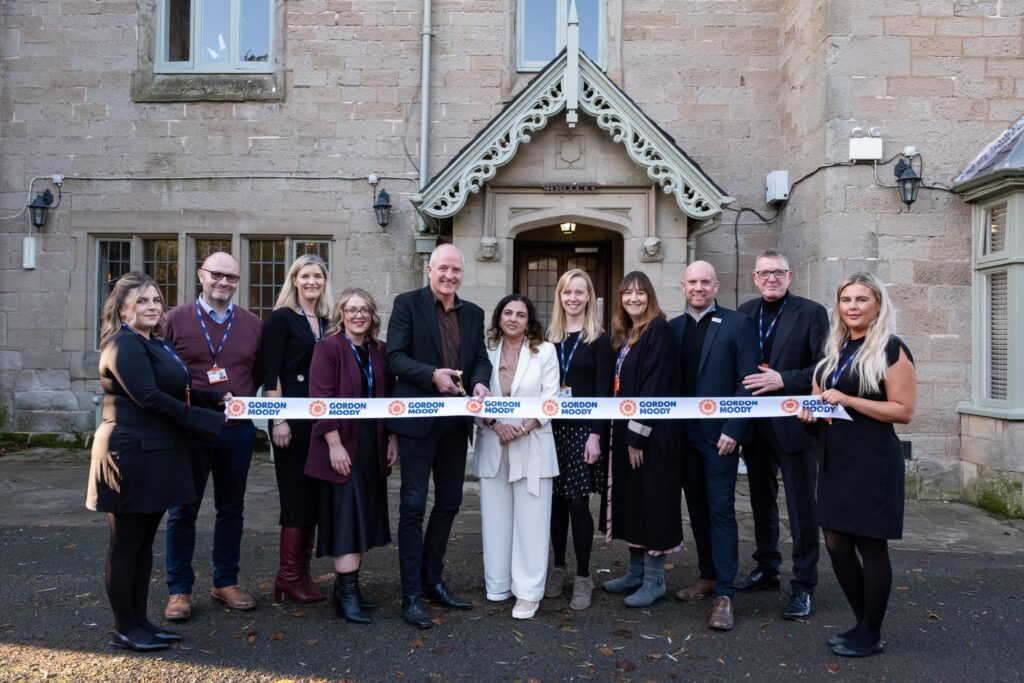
354 456
585 371
291 332
869 371
140 462
645 471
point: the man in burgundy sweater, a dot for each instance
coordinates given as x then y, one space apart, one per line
220 342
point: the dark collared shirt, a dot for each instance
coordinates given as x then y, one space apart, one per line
448 321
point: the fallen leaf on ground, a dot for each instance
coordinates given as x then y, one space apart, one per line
565 628
623 633
932 616
312 642
415 644
902 588
445 649
69 546
265 586
606 650
917 570
440 621
251 638
831 667
653 656
277 636
669 565
298 614
625 665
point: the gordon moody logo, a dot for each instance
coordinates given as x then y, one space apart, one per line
628 407
707 407
317 408
790 406
474 405
236 407
549 408
396 408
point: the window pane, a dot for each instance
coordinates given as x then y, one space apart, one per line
254 31
216 23
160 262
113 259
266 274
206 246
321 248
539 29
997 327
589 13
179 30
541 280
994 239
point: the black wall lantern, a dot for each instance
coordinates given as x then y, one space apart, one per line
382 207
908 181
38 208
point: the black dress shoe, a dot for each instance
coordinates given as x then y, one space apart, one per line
439 593
844 650
413 613
759 580
799 606
168 636
151 644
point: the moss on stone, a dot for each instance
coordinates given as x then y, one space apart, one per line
46 439
1001 496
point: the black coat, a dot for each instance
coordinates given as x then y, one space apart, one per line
414 352
729 354
798 345
140 459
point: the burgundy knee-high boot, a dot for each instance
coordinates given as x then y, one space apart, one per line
293 576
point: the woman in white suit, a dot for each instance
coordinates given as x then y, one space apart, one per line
515 460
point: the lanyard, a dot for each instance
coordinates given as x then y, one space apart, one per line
173 354
623 352
566 362
840 369
367 370
762 335
320 321
206 332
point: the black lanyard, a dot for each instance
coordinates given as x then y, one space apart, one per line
762 334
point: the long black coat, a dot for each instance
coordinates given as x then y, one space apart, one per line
645 502
140 460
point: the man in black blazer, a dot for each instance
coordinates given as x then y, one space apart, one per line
791 338
717 349
435 347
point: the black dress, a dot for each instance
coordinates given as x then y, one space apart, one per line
140 459
354 515
645 507
288 343
590 375
861 477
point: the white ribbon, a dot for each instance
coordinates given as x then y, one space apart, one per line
561 408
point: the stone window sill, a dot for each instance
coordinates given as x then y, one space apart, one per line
989 411
204 87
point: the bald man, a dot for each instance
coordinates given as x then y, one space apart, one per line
220 343
717 348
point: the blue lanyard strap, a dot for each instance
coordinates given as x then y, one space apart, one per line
841 368
170 351
762 334
564 362
206 332
320 322
367 370
623 352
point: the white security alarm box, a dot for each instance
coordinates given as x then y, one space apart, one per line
776 188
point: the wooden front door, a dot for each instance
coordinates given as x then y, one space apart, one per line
538 265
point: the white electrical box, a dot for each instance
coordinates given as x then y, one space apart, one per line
776 187
865 149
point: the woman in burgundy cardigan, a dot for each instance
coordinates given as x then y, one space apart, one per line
354 455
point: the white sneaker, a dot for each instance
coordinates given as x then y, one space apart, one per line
499 597
525 609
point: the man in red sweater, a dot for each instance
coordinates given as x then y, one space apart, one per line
220 343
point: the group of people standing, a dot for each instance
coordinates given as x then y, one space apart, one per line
166 377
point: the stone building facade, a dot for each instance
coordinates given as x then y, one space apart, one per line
269 156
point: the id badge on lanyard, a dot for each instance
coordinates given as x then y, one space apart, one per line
216 374
564 392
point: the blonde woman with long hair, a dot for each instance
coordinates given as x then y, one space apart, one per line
292 331
585 370
869 371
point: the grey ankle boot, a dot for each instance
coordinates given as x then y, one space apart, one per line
654 583
632 578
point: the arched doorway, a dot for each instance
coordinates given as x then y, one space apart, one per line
541 255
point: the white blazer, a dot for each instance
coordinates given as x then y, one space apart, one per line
532 457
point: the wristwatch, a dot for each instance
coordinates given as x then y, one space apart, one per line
277 423
491 422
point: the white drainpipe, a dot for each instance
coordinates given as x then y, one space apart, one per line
425 108
704 228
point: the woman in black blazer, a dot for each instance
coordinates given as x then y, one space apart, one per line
291 332
140 462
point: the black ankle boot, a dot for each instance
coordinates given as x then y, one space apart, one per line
346 598
367 605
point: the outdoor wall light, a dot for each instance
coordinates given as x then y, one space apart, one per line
382 207
908 180
568 228
38 208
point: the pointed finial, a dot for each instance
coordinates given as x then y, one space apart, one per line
572 67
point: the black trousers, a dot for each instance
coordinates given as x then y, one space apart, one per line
441 453
765 458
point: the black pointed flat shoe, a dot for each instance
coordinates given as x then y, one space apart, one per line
844 650
153 644
169 636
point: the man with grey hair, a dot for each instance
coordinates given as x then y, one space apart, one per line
791 339
435 348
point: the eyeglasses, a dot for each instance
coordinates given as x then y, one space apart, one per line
352 311
765 274
218 276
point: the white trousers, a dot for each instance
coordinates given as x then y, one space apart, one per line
516 529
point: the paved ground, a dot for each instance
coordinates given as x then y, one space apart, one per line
955 615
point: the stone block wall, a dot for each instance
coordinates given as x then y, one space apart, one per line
992 451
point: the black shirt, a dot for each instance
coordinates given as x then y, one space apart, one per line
288 343
590 370
693 343
767 318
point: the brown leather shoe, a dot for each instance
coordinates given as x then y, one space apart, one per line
700 589
234 597
179 607
721 614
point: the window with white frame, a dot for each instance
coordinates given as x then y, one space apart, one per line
215 36
541 27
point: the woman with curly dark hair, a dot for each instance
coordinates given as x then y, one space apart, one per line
515 460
